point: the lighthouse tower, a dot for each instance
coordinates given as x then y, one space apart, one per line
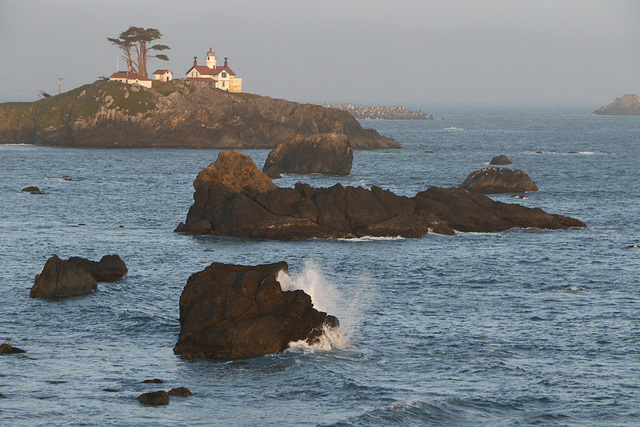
211 59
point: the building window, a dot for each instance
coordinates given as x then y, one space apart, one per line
224 74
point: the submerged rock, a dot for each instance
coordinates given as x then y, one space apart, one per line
154 398
500 160
9 349
304 212
32 190
229 311
491 180
329 154
153 381
180 391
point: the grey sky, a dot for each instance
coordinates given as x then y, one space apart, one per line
380 52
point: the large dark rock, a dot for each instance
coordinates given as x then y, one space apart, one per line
491 180
329 154
304 212
229 311
61 278
500 160
76 276
173 114
626 105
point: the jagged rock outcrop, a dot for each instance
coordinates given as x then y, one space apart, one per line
500 160
76 276
173 114
626 105
304 212
229 311
329 154
492 180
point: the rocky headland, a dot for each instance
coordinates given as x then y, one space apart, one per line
177 114
626 105
233 198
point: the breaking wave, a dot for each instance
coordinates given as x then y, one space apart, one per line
326 297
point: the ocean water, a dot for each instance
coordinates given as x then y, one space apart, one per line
523 327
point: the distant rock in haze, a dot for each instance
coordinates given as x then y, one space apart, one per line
626 105
328 153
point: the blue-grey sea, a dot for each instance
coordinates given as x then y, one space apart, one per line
522 327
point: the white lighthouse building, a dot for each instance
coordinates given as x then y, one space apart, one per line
217 76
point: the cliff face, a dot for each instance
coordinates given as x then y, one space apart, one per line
626 105
173 114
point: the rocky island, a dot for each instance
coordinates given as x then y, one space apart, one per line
178 113
233 198
626 105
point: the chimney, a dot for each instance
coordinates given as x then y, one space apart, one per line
225 62
195 61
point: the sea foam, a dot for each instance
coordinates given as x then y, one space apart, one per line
325 297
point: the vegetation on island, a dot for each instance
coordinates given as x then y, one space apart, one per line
136 49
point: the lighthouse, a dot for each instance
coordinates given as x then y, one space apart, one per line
211 59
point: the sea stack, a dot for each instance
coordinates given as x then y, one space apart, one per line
230 311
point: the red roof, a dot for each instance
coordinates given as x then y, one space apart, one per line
161 71
128 75
206 71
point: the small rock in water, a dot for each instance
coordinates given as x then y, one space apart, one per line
155 398
2 396
519 196
180 391
9 349
32 190
500 160
154 381
111 390
66 177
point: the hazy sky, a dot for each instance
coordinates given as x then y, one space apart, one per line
369 51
